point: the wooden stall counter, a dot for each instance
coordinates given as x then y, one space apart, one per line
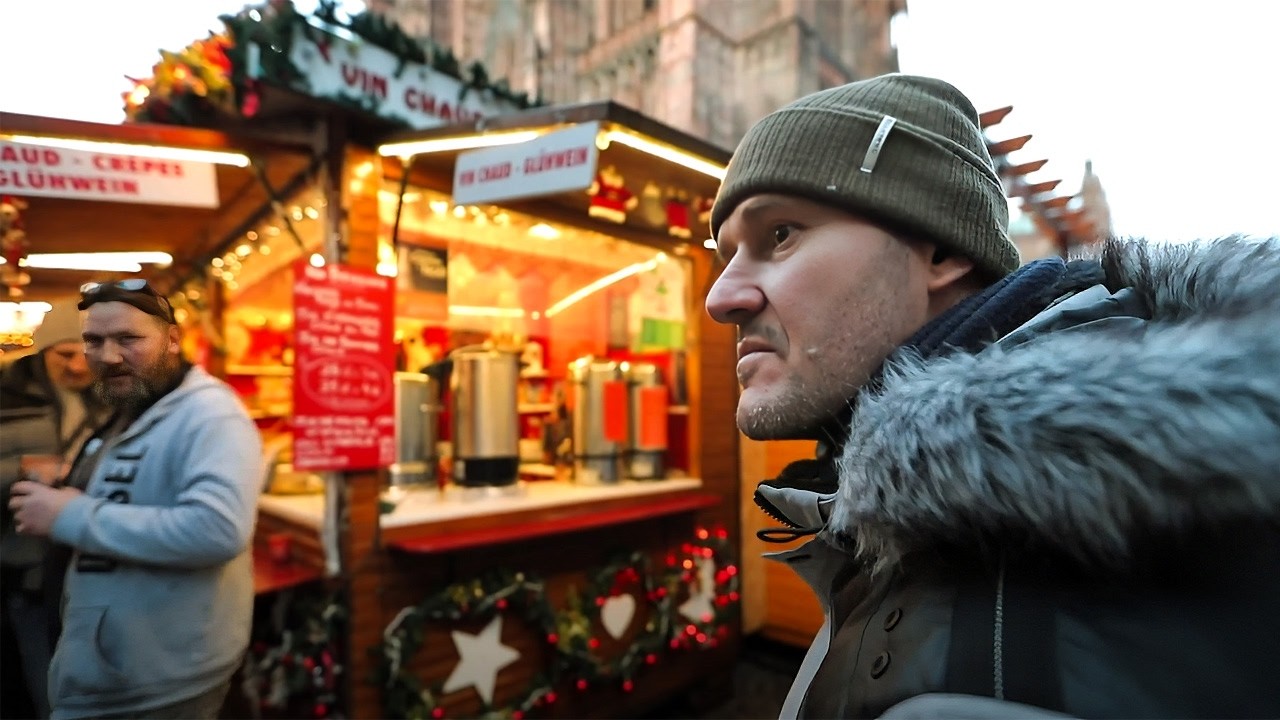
429 521
272 575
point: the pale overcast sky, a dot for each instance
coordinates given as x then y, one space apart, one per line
1175 103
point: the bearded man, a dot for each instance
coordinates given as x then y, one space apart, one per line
159 592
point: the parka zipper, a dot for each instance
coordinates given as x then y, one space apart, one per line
997 650
790 533
773 512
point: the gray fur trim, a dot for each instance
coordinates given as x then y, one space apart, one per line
1222 277
1088 439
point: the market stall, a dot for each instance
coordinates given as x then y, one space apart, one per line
499 476
621 561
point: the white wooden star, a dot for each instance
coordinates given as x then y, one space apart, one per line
481 658
698 607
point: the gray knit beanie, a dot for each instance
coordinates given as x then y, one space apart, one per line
60 324
901 150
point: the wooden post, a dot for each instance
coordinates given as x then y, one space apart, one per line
364 560
350 179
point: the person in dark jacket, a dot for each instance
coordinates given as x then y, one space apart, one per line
1039 490
46 409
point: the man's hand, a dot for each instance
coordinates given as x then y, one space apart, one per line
35 506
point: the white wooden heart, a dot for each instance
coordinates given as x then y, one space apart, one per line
617 613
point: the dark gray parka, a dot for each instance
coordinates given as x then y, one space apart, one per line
30 422
1083 517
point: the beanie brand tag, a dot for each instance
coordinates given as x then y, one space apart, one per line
877 143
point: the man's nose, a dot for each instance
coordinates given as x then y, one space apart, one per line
109 353
735 296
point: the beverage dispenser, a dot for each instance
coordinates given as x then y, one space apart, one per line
647 429
417 408
599 419
483 383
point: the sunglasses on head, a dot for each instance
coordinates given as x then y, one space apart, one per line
130 284
90 291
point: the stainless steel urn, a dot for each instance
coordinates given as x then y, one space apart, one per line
486 424
647 429
599 419
417 408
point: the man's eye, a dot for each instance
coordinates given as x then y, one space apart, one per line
781 233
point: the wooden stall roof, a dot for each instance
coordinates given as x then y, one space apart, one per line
636 167
1050 212
190 235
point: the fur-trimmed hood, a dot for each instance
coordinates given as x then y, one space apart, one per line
1123 413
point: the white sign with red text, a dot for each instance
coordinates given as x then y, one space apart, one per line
415 94
559 161
37 170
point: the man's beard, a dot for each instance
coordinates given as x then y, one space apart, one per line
800 415
146 385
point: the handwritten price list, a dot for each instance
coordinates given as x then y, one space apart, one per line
344 404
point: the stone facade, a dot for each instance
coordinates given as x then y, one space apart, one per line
708 67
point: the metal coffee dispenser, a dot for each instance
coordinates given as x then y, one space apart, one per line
647 429
599 419
486 425
417 408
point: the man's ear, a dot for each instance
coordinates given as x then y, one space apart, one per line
175 339
947 268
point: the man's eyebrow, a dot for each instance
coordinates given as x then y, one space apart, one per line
754 207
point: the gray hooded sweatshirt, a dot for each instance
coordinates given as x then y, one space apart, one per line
159 596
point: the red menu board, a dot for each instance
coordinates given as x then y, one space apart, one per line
343 401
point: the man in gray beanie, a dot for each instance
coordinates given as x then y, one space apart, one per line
1051 486
46 412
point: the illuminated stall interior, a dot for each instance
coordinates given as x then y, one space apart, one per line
549 291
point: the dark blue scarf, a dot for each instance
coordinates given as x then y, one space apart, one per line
988 316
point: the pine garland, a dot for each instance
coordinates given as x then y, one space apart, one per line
706 632
625 574
404 695
296 661
570 631
212 78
